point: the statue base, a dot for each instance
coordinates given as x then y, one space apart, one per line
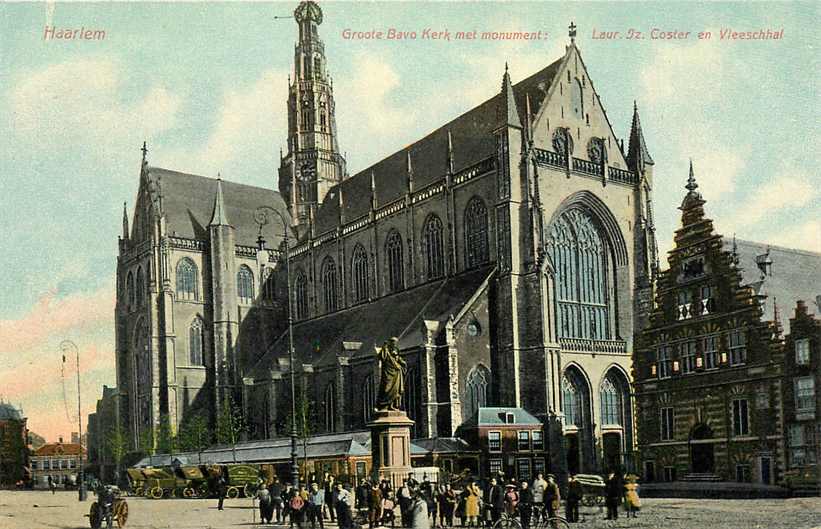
390 446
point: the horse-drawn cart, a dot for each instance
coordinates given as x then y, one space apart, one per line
108 508
593 489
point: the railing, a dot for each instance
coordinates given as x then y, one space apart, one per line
427 192
550 158
587 167
488 164
187 244
588 345
391 208
357 224
620 175
245 251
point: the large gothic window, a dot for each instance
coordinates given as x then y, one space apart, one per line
245 285
359 274
434 247
300 300
140 288
476 234
574 398
329 286
187 283
393 255
610 395
580 259
195 350
142 356
330 407
477 383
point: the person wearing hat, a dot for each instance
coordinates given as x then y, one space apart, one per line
552 496
496 500
511 499
574 497
525 504
632 496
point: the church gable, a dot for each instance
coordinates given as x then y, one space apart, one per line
573 105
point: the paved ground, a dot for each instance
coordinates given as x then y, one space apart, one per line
41 510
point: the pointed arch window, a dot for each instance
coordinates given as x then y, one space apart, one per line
142 354
580 257
359 274
187 281
195 342
572 399
393 255
129 287
476 390
330 407
329 285
410 399
432 242
317 67
300 300
476 233
140 287
368 398
610 395
245 285
268 281
577 98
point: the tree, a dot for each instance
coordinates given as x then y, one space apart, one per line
116 445
230 423
166 440
305 422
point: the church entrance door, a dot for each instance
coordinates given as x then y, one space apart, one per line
573 458
612 450
702 459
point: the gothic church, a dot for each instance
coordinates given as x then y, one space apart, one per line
511 251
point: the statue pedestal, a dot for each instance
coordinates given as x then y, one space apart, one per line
390 446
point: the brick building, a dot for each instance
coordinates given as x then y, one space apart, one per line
802 402
708 368
61 461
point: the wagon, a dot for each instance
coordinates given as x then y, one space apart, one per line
162 481
242 479
137 479
119 510
196 481
592 488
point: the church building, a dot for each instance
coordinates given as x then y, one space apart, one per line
511 251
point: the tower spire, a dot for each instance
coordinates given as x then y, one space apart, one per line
125 222
507 114
637 153
218 217
145 152
373 190
410 172
450 153
691 180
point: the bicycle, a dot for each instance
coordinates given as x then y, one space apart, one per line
542 520
507 521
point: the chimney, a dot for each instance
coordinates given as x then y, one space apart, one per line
800 308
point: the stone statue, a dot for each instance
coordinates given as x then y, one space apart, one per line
392 381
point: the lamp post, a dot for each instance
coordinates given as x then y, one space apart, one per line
261 216
68 346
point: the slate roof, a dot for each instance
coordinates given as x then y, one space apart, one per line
443 445
796 275
473 141
496 417
399 315
188 202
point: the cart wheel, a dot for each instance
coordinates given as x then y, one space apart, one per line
250 490
93 519
588 501
173 493
203 491
600 501
138 491
233 492
156 493
188 492
121 513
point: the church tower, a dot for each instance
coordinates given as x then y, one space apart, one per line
313 163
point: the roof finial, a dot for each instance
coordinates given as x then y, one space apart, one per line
125 221
691 180
144 151
572 32
218 217
505 66
373 190
410 172
450 153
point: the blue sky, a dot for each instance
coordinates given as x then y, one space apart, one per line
205 85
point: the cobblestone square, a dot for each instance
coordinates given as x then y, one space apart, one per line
41 510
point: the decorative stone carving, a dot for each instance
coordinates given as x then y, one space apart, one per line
562 141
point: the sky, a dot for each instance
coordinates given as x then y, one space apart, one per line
205 84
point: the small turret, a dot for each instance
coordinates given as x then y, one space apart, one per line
219 217
637 154
507 114
410 172
125 223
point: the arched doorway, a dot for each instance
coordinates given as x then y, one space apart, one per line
702 458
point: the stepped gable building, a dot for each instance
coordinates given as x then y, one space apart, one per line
708 368
195 297
802 397
511 251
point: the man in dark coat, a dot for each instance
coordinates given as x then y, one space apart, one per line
275 488
330 495
405 499
525 504
222 489
613 491
496 500
574 496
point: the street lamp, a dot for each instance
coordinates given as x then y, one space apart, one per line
67 346
261 216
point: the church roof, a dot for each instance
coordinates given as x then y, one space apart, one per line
317 341
473 141
794 277
499 417
188 203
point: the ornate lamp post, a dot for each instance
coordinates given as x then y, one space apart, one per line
261 216
67 346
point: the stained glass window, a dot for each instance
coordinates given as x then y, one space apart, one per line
187 283
393 254
359 274
329 284
195 343
476 394
300 296
476 233
245 285
434 248
611 401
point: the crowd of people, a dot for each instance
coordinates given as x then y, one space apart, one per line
424 505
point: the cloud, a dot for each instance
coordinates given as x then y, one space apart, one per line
792 188
87 98
806 235
692 72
